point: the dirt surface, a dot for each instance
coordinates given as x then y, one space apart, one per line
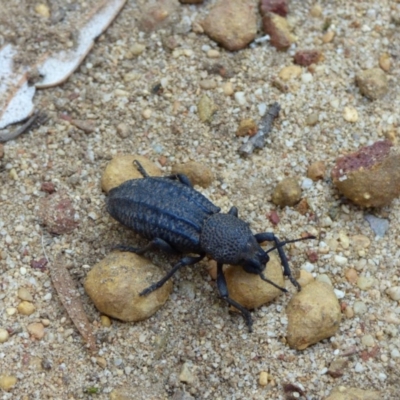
193 344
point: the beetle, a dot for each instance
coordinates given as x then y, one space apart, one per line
176 218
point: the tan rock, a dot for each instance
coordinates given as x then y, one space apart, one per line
385 62
206 108
287 192
198 173
24 294
278 29
373 83
316 170
36 329
247 127
26 308
250 290
313 315
232 24
105 321
121 169
346 393
4 335
290 72
7 382
114 285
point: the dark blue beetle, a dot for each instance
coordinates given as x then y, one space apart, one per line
178 219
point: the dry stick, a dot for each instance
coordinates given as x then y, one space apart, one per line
264 128
70 299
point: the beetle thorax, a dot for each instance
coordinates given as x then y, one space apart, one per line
224 237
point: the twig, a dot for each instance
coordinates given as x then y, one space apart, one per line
265 126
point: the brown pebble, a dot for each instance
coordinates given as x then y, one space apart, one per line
232 24
48 187
36 329
307 57
328 36
277 28
279 7
121 168
303 207
312 255
316 170
206 108
290 72
123 130
373 83
337 367
86 126
57 213
273 217
370 177
105 321
198 173
247 127
312 119
26 308
385 62
287 192
351 275
1 151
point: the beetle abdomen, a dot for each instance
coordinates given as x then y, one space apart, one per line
162 208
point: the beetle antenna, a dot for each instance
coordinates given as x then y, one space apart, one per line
284 242
262 276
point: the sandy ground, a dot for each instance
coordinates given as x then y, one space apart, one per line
224 361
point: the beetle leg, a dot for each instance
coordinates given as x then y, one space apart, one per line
140 168
181 178
182 263
156 243
233 211
223 291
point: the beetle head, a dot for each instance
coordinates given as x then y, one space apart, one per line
253 258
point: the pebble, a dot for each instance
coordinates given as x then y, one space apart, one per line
146 113
307 57
232 24
385 62
378 225
121 168
316 10
359 307
328 37
395 353
337 367
368 340
43 10
212 53
58 214
370 177
287 192
228 89
247 127
208 84
87 126
394 293
351 275
198 173
206 108
26 308
156 15
4 335
349 393
240 98
280 7
263 378
350 114
278 29
290 72
312 119
360 242
136 49
7 382
313 315
124 130
186 374
115 282
307 77
24 294
349 312
250 290
340 260
36 329
365 282
372 83
105 321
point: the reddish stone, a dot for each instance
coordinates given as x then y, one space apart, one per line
48 187
273 217
307 57
279 7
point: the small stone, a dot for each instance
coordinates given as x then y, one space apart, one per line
385 62
278 29
228 89
340 260
157 14
87 126
240 98
370 177
307 57
359 307
368 341
350 114
316 10
48 187
312 119
101 362
305 278
290 72
208 84
365 282
24 294
36 329
186 374
247 127
136 49
26 308
250 290
394 293
313 315
279 7
212 53
360 242
146 113
328 36
373 83
7 382
316 171
206 108
43 10
378 225
105 321
349 312
4 335
114 285
121 168
337 367
198 173
351 275
346 393
287 192
58 214
232 24
123 130
263 378
307 77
